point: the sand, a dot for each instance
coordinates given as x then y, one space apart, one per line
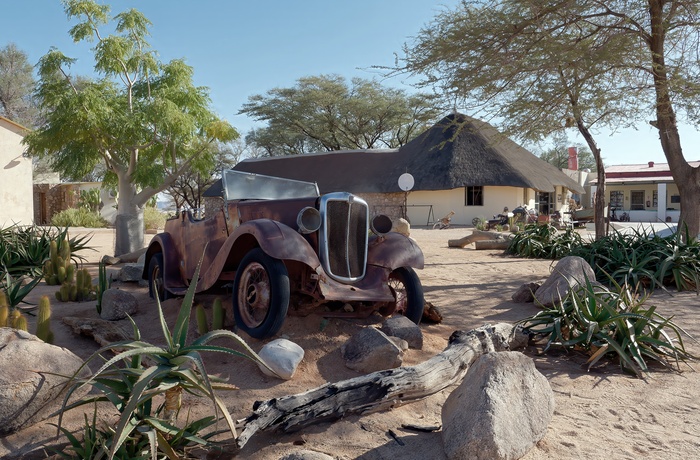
599 414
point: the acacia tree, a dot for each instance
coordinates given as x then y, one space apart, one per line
144 119
324 113
516 61
610 63
558 153
187 190
17 86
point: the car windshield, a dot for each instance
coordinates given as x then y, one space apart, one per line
240 185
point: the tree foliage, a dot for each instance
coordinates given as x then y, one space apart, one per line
17 86
144 119
187 190
325 113
558 153
542 66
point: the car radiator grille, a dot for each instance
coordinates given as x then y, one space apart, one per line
346 238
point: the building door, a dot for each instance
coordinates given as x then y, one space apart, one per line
543 203
637 199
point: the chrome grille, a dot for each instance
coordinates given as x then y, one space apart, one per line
344 236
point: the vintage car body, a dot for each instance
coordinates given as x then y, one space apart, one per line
279 242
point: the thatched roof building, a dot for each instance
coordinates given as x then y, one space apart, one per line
458 151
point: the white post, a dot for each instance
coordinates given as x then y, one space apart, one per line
661 203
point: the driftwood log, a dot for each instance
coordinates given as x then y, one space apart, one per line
476 235
380 390
492 244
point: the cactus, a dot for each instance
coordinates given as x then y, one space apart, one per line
218 315
58 268
4 314
18 321
43 322
102 285
202 326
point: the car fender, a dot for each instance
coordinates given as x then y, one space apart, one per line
394 250
163 242
275 239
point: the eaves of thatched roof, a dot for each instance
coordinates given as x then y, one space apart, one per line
458 151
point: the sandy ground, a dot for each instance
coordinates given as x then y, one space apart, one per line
599 414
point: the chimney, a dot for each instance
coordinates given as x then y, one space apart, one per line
651 164
573 158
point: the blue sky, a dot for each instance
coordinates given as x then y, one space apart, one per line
239 49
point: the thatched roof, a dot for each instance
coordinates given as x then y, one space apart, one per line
456 152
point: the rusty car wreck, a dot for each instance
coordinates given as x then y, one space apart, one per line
286 249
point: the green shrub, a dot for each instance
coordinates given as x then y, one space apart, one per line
153 219
602 322
23 250
78 218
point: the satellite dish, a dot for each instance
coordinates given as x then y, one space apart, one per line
406 182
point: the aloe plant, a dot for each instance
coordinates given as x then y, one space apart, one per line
131 386
601 322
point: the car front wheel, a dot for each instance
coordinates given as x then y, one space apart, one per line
260 294
408 292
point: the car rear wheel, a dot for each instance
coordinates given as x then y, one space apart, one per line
408 292
155 278
260 294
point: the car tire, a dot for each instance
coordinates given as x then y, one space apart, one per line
408 291
155 278
260 294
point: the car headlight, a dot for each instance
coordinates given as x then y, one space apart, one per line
381 224
308 220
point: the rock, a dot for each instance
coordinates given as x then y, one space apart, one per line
403 328
116 304
131 272
132 257
402 226
569 272
500 410
283 357
104 332
371 350
307 455
29 388
525 293
431 313
109 260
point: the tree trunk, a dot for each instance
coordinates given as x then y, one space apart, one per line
384 389
492 244
686 177
129 226
476 235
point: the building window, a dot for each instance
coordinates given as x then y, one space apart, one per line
655 199
474 195
637 199
617 199
675 198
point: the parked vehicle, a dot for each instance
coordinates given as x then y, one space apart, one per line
623 217
444 222
499 219
523 215
288 250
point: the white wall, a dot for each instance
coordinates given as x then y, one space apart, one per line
16 200
444 201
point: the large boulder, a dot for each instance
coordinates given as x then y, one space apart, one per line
116 304
569 272
131 272
29 386
500 410
371 350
